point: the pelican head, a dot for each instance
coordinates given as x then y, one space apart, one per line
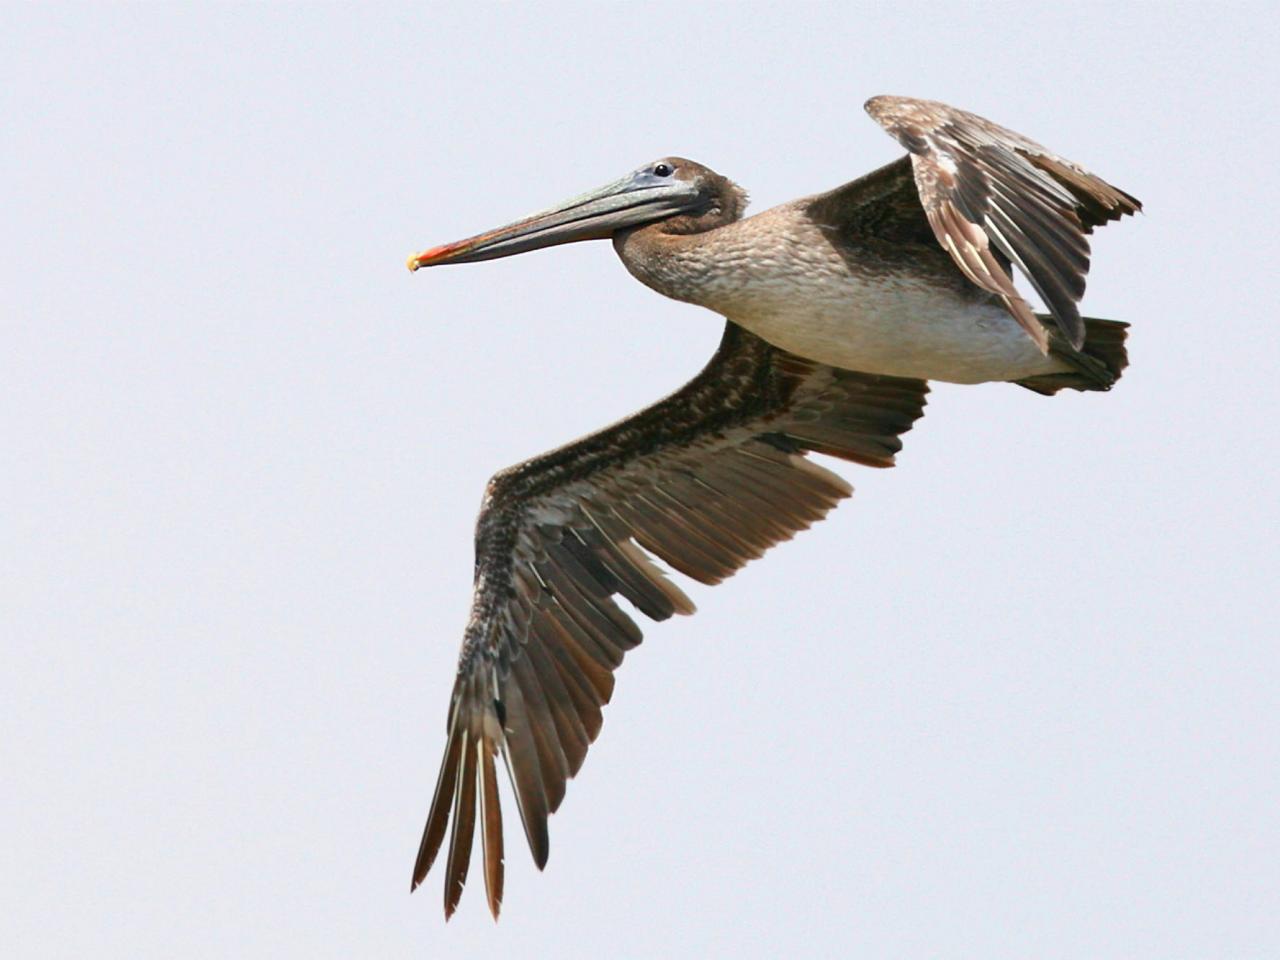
686 195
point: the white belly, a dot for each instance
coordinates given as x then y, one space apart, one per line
782 277
892 325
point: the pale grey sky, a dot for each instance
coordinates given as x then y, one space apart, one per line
1018 698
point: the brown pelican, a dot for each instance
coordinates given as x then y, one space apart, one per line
839 307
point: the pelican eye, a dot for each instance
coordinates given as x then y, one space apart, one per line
662 170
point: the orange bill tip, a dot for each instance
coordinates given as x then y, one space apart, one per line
436 254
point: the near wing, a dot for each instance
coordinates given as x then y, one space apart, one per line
705 480
983 186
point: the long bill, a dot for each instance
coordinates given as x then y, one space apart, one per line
634 200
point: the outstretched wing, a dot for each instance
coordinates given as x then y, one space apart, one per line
983 186
705 480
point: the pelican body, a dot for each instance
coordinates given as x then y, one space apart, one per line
798 284
839 308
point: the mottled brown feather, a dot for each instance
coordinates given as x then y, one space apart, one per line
491 828
464 823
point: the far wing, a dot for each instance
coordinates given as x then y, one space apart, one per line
706 480
983 186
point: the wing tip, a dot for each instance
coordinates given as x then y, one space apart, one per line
540 845
882 103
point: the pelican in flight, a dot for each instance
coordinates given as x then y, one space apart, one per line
839 308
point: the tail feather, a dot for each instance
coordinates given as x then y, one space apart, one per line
1097 365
